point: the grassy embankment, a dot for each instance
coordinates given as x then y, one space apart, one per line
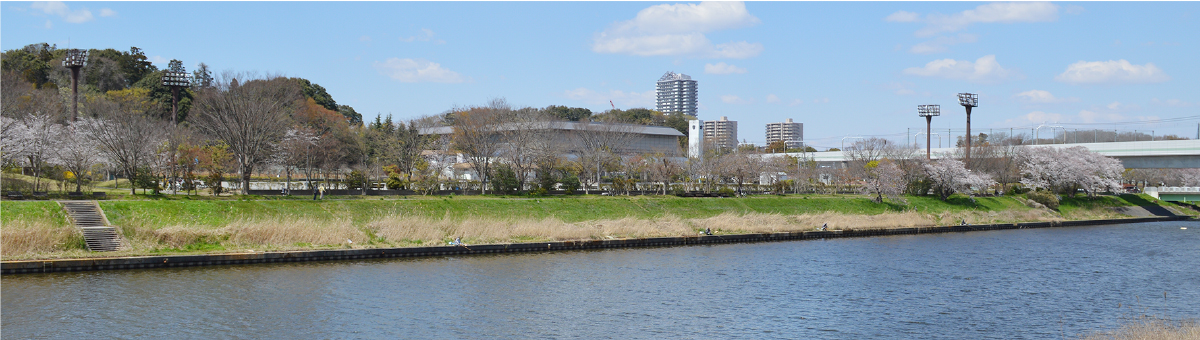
38 229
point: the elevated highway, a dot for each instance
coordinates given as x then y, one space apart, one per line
1133 155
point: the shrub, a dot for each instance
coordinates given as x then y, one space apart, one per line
504 180
570 183
1046 198
356 180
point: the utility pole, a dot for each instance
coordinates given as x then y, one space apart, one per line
928 111
968 100
75 60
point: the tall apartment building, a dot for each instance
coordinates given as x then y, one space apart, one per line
789 132
676 92
722 133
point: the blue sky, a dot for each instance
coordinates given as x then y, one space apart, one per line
841 68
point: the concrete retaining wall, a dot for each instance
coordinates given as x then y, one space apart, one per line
140 262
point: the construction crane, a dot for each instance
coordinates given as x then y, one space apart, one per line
613 105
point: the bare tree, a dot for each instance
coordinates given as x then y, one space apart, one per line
599 143
250 118
661 169
476 135
125 137
523 139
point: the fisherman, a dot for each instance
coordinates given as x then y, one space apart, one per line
707 231
824 226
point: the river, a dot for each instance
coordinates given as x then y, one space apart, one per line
1015 284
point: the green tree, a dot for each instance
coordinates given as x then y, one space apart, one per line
354 117
32 63
161 97
135 66
504 180
573 114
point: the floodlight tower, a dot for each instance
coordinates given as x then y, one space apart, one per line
928 111
175 80
968 100
75 60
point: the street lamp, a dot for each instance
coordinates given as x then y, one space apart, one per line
75 60
928 111
175 80
968 100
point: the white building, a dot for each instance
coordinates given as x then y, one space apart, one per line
789 132
676 93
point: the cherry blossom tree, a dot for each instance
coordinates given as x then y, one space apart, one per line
1064 170
76 152
948 176
883 178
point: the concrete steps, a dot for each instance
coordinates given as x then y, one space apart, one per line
87 216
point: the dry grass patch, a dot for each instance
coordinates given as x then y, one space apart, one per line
20 238
1151 329
269 233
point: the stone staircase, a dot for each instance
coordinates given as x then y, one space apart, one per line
87 216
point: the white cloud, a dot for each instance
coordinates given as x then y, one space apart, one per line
1118 106
903 88
723 68
1093 117
796 102
997 12
417 71
1111 72
618 97
983 70
105 12
425 35
62 10
732 99
772 98
1035 117
49 24
679 30
939 45
158 59
1171 102
1039 96
364 38
903 16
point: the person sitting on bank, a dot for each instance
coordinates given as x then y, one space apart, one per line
707 231
824 226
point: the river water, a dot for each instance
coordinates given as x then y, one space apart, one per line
1015 284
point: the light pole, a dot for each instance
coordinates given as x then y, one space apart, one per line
75 60
968 100
175 80
928 111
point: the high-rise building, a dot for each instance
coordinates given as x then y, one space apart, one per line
676 92
789 132
722 133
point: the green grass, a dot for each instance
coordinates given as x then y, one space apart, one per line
45 211
216 213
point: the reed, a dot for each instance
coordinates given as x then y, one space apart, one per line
1150 328
24 238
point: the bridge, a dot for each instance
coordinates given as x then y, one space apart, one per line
1173 154
1175 194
